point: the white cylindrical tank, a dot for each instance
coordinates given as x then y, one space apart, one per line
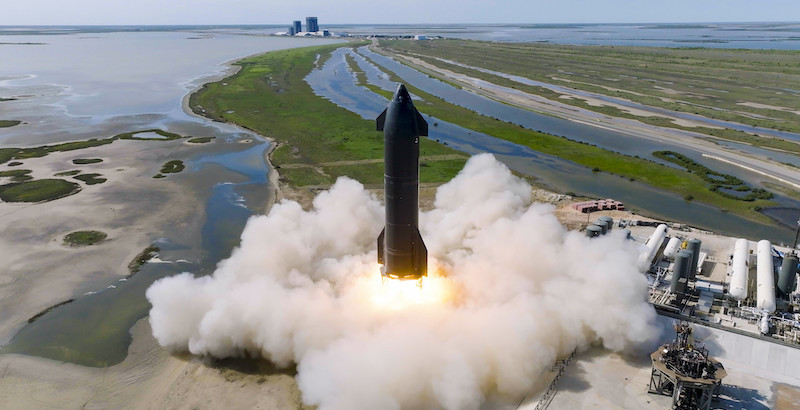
765 281
651 247
738 285
672 247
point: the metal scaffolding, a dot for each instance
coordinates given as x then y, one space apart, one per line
684 371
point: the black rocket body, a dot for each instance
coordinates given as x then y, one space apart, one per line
400 248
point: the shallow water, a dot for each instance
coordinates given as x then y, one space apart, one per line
94 329
630 104
81 85
335 82
625 143
785 36
122 82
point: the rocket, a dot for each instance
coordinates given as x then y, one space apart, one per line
400 248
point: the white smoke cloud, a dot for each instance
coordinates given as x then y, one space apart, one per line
509 291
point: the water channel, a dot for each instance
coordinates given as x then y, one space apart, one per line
335 82
83 100
93 330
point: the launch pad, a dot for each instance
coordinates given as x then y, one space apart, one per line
685 371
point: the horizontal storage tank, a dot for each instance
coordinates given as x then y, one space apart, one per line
672 248
765 281
788 275
651 248
739 270
593 231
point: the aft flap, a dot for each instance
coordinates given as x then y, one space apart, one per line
422 125
381 246
382 119
420 255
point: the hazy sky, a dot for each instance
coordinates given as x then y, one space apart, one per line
112 12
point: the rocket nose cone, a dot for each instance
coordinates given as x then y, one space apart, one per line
401 95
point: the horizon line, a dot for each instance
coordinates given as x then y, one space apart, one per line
398 24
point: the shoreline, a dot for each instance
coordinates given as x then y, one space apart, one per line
150 376
274 194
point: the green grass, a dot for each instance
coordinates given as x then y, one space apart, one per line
9 123
717 180
708 82
269 96
14 164
200 140
67 173
168 136
143 257
367 174
39 190
443 169
84 238
590 156
301 177
783 189
17 175
7 154
67 146
173 167
84 161
91 179
45 311
311 130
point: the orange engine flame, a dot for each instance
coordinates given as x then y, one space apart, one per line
393 294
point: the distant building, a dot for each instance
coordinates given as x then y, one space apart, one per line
297 27
292 31
419 37
311 24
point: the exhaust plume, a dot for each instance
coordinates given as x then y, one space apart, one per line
509 291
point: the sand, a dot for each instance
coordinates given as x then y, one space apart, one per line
698 142
131 207
148 378
541 104
769 107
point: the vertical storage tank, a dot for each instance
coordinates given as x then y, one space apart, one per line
593 231
765 281
682 261
607 220
788 275
694 246
740 270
